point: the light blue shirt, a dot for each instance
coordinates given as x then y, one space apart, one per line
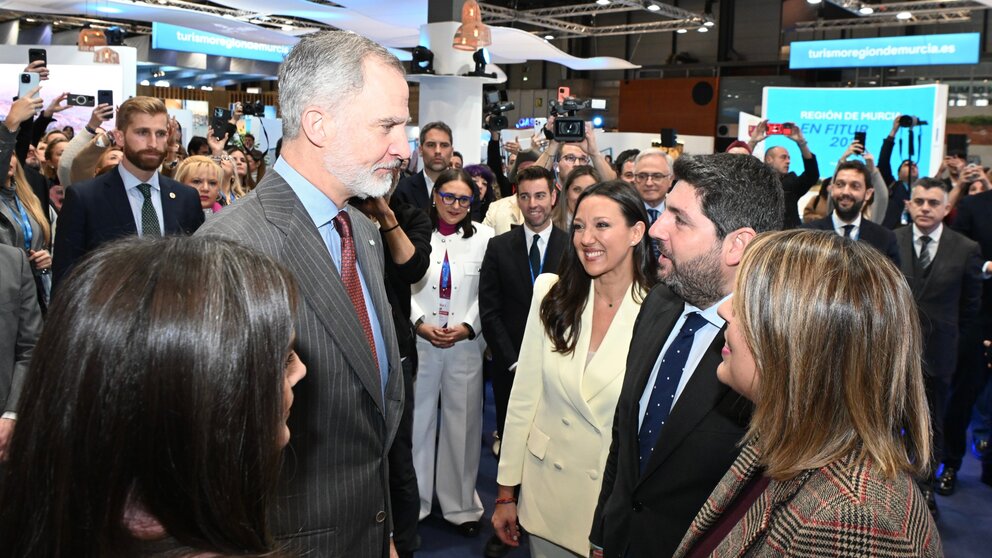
701 341
323 211
137 199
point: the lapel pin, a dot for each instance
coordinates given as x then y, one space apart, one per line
172 195
372 242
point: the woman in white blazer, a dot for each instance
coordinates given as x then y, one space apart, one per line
560 417
445 312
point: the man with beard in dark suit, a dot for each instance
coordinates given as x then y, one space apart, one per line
850 189
677 428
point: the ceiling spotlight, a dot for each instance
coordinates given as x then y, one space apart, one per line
603 2
423 61
814 2
866 10
653 7
709 23
702 30
549 37
904 16
682 31
30 20
144 82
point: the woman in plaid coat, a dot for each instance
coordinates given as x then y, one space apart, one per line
832 363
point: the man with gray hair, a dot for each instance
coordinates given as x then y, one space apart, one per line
344 104
653 180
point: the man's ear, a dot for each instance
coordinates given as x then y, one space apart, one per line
118 136
734 245
316 126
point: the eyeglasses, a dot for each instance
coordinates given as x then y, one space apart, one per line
572 159
655 176
450 199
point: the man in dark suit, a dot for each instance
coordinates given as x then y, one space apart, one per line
435 150
132 199
677 428
850 188
972 372
334 501
943 268
513 261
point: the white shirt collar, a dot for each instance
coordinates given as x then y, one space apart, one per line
839 224
934 236
131 182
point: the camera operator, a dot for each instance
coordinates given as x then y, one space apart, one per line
562 157
899 189
793 186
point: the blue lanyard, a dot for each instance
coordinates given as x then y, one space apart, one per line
25 223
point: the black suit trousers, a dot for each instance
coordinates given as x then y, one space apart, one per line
969 381
403 491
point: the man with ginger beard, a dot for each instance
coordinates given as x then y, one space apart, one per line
134 199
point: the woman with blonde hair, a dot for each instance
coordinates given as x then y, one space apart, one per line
832 362
24 224
206 176
230 187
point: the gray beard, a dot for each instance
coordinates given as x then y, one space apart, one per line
361 182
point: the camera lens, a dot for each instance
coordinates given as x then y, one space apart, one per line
25 78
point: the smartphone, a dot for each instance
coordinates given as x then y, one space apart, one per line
778 129
860 138
77 100
974 160
564 93
105 97
35 54
220 124
27 82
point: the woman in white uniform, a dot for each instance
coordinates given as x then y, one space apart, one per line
445 312
571 368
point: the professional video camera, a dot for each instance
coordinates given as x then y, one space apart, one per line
907 121
496 105
253 108
567 126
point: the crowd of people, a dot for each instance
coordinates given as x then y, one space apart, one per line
202 355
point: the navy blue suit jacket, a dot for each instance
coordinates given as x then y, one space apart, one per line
879 237
97 211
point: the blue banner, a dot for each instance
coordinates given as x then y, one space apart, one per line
184 39
923 50
828 118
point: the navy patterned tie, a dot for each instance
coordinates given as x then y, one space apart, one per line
653 215
149 219
663 393
535 259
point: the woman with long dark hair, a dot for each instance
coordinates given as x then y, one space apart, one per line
560 416
445 311
136 434
485 181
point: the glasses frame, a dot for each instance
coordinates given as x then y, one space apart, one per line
464 202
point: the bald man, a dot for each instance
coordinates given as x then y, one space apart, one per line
793 186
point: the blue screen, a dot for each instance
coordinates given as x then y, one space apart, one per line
923 50
828 118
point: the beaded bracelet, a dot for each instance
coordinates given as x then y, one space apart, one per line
506 501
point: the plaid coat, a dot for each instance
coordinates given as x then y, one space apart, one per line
844 509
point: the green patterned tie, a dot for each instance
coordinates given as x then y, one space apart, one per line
149 219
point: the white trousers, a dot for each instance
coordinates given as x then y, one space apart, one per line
455 377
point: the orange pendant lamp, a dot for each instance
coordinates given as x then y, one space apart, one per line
472 34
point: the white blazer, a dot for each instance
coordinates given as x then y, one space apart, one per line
559 422
465 258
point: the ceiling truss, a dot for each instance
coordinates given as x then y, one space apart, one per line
924 12
554 19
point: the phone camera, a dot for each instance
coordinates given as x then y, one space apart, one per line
25 78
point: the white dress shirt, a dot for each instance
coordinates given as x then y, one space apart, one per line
701 341
137 199
839 226
932 245
542 244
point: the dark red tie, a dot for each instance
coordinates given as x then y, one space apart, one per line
349 276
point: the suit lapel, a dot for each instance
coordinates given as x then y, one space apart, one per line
319 281
169 201
571 370
601 372
556 247
700 395
945 246
422 194
117 200
520 256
